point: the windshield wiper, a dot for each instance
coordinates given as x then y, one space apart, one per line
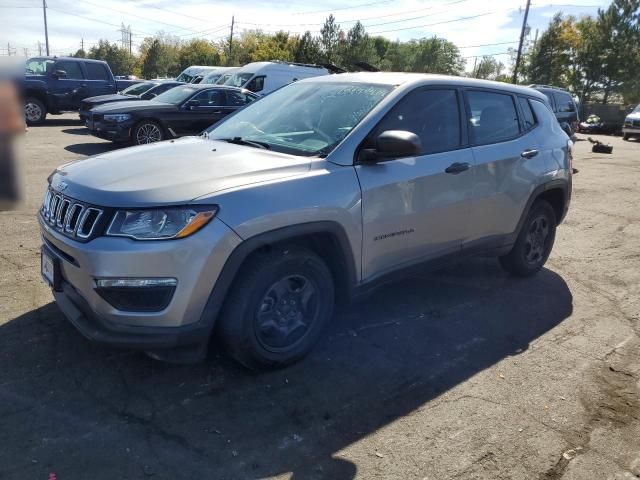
244 141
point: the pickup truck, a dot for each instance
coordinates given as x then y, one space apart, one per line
58 84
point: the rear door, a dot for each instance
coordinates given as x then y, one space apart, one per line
99 79
509 163
68 90
412 209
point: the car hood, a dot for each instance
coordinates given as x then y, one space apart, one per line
114 97
633 116
171 172
128 106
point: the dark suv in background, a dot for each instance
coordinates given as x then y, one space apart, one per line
563 105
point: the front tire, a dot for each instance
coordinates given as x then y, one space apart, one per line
534 242
147 131
35 112
625 136
277 309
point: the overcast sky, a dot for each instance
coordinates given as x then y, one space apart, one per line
467 23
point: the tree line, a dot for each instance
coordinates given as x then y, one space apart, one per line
595 57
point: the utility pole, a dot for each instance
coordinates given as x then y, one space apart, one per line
130 40
46 30
82 44
475 62
524 27
8 49
39 48
231 39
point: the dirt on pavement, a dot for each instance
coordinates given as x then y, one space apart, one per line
462 373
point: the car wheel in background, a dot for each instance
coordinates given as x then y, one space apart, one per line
34 111
147 131
278 306
625 136
534 242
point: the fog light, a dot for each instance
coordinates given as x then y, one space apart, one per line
137 294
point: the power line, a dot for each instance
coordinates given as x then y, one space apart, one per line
93 19
379 2
437 23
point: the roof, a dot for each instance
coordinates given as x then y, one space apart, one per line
402 78
205 86
73 59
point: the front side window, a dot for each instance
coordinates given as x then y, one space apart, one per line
210 98
564 102
433 115
73 70
238 99
39 66
527 113
256 84
96 71
636 110
303 118
493 117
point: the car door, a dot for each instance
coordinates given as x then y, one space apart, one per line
68 89
210 107
417 208
509 164
99 79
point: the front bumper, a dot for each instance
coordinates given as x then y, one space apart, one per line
195 261
631 130
116 132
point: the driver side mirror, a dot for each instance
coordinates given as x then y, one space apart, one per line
392 144
191 104
59 74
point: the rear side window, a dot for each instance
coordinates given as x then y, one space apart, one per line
433 115
238 99
564 102
256 84
493 117
96 71
74 72
527 113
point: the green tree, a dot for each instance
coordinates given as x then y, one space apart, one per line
307 49
357 47
488 68
119 59
330 36
159 58
198 52
436 55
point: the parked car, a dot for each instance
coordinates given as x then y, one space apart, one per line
183 110
563 105
265 77
631 127
138 91
58 84
194 73
213 76
321 190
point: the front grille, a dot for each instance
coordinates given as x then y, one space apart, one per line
635 123
70 217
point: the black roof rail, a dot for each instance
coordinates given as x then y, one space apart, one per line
536 85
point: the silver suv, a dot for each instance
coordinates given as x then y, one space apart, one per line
318 192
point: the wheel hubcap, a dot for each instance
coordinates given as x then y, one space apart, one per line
148 133
32 111
286 312
537 240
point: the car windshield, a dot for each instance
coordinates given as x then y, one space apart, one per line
307 119
210 78
39 66
138 89
176 95
636 110
238 79
223 78
185 77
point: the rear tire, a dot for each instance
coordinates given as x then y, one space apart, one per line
35 112
277 309
147 131
534 242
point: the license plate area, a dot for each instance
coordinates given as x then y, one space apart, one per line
50 268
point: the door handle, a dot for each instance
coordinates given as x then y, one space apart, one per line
83 85
529 153
217 111
457 167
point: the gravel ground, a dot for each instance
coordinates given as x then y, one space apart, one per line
463 373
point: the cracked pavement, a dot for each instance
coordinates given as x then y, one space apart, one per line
464 373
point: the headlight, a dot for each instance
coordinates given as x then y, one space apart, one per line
117 117
160 224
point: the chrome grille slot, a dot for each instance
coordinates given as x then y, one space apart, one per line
73 216
62 212
70 217
88 222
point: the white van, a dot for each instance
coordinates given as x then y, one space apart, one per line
194 73
227 75
265 77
